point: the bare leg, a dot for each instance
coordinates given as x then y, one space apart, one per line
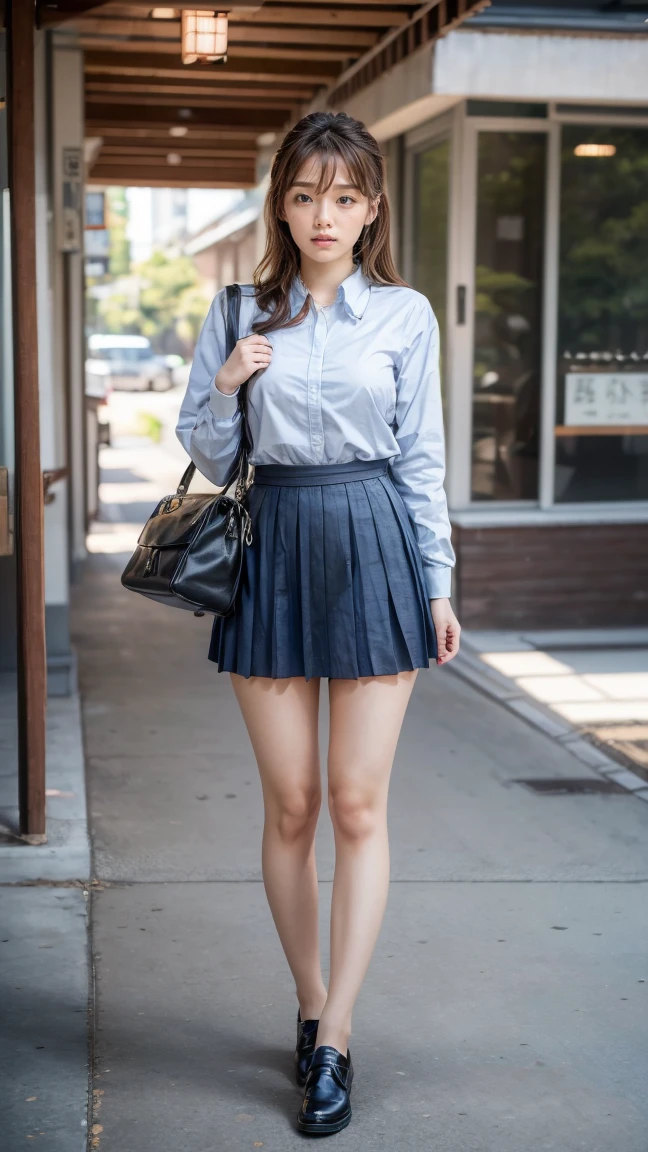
281 719
366 719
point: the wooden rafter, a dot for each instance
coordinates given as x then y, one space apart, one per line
151 65
281 54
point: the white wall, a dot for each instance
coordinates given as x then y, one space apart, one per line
541 67
52 406
495 65
67 131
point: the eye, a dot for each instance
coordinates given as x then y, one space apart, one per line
299 195
349 199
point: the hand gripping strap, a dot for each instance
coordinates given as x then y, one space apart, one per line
239 467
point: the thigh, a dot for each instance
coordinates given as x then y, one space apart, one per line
281 716
366 719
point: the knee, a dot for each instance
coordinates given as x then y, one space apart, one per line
296 814
354 814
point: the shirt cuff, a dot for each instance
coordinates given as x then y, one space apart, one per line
438 580
223 404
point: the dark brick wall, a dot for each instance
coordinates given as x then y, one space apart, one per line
568 576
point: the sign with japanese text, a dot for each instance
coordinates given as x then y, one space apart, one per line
606 398
71 192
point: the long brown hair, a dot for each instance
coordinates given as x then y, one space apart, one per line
331 137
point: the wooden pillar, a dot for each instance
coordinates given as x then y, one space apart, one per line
32 667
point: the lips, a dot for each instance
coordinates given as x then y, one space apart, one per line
323 241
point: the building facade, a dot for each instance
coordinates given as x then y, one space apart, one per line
517 151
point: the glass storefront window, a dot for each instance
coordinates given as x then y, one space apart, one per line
430 255
602 405
429 258
508 315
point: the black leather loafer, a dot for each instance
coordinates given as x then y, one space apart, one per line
326 1106
306 1033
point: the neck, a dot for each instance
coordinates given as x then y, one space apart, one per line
323 280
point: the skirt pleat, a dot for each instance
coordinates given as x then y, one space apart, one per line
332 584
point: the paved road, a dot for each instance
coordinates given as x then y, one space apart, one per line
505 1005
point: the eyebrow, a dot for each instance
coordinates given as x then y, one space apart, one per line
304 184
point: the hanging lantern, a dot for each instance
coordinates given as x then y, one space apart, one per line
204 36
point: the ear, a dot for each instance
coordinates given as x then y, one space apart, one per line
373 211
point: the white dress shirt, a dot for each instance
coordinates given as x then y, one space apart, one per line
355 380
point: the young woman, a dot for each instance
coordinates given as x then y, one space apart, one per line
348 574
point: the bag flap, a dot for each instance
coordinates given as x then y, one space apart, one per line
176 520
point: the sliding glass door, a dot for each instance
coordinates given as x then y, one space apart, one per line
507 322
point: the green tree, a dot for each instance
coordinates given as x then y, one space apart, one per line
171 304
117 218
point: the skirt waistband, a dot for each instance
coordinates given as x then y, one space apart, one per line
299 474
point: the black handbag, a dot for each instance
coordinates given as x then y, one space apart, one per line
190 551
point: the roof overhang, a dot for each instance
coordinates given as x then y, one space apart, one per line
157 122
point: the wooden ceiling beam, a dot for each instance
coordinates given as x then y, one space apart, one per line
185 93
55 12
132 11
127 148
256 120
349 17
213 163
238 34
200 97
269 52
158 133
202 103
157 67
161 180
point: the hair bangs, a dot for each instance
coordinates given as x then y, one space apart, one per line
330 139
330 151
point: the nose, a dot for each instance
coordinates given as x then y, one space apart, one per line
323 215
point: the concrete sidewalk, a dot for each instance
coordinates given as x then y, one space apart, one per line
44 969
505 1005
588 688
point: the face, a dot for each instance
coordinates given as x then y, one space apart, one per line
326 225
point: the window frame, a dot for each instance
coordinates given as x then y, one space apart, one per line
462 131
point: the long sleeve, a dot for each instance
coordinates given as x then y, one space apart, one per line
209 423
419 471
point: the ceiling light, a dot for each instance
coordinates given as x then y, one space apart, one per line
595 150
174 158
163 13
204 36
178 130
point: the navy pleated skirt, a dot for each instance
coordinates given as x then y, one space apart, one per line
332 584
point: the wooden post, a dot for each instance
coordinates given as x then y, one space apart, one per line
32 661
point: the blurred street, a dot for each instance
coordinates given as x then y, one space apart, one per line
505 1005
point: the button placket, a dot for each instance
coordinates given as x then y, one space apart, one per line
315 369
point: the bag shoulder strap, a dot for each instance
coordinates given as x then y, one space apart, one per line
240 464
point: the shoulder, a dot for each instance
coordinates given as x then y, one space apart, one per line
411 306
248 310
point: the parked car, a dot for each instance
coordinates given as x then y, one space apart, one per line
133 364
98 386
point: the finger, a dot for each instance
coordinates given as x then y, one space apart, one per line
452 644
442 649
256 358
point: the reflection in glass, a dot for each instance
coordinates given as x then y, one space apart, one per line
603 315
508 315
430 256
429 260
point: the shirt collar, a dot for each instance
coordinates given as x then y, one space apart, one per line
353 293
